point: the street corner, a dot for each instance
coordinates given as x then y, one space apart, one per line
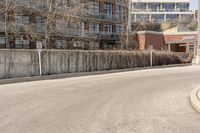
195 98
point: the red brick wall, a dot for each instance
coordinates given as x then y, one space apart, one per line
146 40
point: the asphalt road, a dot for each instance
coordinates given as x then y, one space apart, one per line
147 101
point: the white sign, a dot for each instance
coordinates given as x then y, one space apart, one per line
188 37
150 47
39 45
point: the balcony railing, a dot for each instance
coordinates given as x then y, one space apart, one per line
71 32
89 34
108 36
161 10
106 17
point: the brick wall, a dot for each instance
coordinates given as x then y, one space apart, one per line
146 40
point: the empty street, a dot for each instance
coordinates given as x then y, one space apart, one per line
146 101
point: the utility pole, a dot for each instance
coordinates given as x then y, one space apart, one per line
198 41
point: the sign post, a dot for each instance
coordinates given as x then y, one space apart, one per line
39 49
151 55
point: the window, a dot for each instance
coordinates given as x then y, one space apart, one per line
139 6
119 11
20 1
2 41
39 24
182 7
60 44
94 8
154 6
94 27
169 7
119 29
108 10
172 16
61 25
41 6
22 43
158 17
2 17
108 29
22 19
142 17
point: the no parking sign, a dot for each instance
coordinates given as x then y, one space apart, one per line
39 45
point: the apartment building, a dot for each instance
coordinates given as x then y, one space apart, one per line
161 10
107 22
99 29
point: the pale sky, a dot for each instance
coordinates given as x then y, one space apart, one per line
194 4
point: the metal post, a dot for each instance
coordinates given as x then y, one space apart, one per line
40 62
151 58
39 49
197 55
169 47
151 55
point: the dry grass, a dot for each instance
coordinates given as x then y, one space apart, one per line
85 61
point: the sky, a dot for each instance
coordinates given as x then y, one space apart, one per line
193 4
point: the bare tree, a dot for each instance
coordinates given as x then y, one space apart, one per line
128 38
61 18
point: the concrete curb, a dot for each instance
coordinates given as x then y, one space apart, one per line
68 75
195 99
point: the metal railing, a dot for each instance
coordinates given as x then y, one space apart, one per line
160 10
108 36
107 17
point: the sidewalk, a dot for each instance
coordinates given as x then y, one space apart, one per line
195 99
68 75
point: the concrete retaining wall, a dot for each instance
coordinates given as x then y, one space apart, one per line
24 63
18 63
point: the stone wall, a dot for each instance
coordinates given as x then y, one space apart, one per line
24 63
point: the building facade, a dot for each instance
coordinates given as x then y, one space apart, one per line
172 42
107 23
161 10
24 25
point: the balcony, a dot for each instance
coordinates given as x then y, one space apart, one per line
89 34
107 17
120 2
160 10
108 36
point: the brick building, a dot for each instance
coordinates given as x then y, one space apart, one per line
175 42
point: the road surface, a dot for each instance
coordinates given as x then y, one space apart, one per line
147 101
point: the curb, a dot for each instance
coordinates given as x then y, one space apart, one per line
195 99
69 75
